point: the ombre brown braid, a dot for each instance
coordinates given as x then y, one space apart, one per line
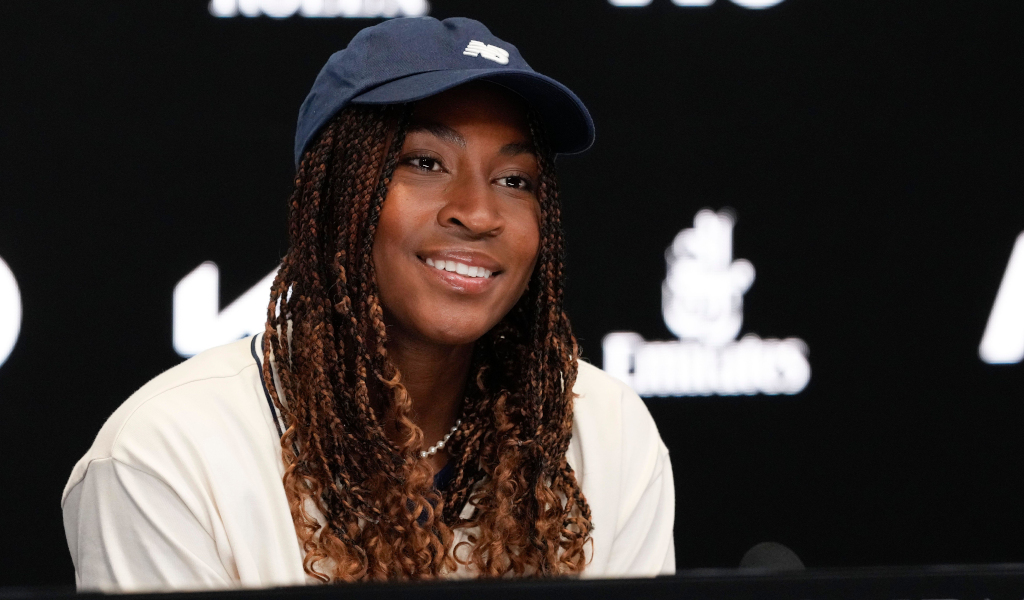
381 517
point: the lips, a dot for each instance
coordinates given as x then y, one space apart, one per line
465 271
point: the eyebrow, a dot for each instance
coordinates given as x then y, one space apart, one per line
441 131
448 134
516 148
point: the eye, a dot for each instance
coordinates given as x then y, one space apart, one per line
516 182
424 163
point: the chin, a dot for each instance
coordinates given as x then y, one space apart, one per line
454 331
455 336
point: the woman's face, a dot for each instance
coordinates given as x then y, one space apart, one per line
459 230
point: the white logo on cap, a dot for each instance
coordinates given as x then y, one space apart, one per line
498 55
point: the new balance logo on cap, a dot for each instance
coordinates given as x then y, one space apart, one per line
487 51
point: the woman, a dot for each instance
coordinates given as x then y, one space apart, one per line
417 389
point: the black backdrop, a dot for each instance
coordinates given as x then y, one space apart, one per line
870 149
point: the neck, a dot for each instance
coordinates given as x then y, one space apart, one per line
435 377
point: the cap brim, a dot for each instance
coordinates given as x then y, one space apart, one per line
566 120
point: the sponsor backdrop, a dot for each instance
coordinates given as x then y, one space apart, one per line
797 236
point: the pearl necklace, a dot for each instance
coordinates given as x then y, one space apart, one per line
440 445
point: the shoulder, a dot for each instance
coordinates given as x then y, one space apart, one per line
609 408
624 471
191 410
614 435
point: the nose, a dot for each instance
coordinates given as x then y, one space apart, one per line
471 209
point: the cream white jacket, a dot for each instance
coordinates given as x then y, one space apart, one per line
182 487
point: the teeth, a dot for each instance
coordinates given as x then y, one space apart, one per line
457 267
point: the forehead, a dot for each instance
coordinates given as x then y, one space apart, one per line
475 104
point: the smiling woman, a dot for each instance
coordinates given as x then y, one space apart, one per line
415 407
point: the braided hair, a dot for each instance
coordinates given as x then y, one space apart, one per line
363 504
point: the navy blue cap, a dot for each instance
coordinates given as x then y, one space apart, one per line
404 60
